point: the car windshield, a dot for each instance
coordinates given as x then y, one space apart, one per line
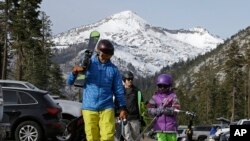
246 122
31 86
180 131
202 128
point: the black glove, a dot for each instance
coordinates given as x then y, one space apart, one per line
86 59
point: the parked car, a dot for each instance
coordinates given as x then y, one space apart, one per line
220 129
17 84
32 114
181 132
226 135
243 122
3 126
70 109
201 132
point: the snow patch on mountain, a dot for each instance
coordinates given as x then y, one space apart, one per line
141 46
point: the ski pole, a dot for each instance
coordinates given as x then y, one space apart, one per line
122 123
151 123
186 112
147 127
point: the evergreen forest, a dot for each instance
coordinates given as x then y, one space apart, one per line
25 41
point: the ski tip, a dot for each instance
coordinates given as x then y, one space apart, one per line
95 34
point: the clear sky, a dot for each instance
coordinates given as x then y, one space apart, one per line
220 17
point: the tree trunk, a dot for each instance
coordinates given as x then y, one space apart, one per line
233 104
4 67
4 63
19 62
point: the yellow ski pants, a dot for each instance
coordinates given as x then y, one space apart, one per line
99 125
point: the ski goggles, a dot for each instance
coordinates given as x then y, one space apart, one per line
162 86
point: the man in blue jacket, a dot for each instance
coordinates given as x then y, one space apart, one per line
103 81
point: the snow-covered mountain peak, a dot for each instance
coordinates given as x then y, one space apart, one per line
141 47
129 16
198 29
126 21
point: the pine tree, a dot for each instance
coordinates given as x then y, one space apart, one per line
4 40
2 21
234 80
247 45
30 33
55 80
26 35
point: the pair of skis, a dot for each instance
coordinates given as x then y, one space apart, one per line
85 60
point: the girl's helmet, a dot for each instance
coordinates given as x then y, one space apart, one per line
164 79
127 75
105 46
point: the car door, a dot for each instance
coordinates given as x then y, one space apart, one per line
1 103
11 109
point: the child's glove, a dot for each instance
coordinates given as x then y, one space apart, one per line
159 111
168 111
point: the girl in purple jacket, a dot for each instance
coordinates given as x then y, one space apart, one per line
163 104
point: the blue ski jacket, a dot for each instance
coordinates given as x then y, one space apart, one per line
102 82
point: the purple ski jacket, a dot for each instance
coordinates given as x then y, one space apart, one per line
165 122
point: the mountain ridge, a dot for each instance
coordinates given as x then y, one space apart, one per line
138 44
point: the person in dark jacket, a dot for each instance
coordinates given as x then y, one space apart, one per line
133 122
102 82
162 105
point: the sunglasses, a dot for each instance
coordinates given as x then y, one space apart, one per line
129 79
162 86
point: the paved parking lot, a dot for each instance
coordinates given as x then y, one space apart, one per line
145 139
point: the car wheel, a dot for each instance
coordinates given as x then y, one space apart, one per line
202 138
78 134
28 131
66 136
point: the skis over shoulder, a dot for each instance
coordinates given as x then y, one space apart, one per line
93 39
85 59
